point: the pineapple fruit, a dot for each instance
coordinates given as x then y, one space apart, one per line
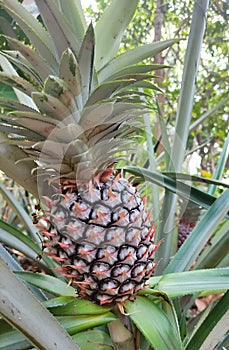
72 124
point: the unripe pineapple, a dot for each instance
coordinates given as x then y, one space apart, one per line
72 124
101 234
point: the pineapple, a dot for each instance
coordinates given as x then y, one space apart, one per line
72 124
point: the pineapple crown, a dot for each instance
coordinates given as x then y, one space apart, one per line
76 104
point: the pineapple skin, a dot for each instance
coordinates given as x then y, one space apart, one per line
101 235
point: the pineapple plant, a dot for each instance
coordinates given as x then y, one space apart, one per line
75 120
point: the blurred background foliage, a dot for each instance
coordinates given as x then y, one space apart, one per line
159 20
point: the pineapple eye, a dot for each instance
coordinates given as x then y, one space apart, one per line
127 287
120 270
126 253
138 271
142 252
109 286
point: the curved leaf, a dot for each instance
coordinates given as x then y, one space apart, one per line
154 324
86 62
190 250
191 193
58 27
48 283
13 238
22 310
207 335
109 29
37 62
190 282
74 14
72 306
92 340
75 324
33 29
19 210
133 56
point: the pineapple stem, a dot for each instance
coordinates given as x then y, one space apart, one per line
121 336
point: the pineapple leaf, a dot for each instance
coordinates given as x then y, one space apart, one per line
132 57
51 106
9 69
51 149
190 282
187 177
19 210
70 73
74 14
107 89
109 29
14 105
57 88
75 324
191 193
215 252
96 115
23 170
200 235
71 306
58 27
28 134
16 58
47 283
22 310
137 69
211 330
220 166
10 339
164 134
156 327
14 238
18 83
6 27
86 63
33 29
35 122
36 61
94 339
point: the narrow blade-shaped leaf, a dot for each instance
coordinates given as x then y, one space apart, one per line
20 172
214 253
48 283
109 29
19 210
156 327
133 56
188 192
13 238
58 27
74 14
190 250
75 324
18 83
191 282
36 61
22 310
72 306
33 29
93 339
207 335
86 62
